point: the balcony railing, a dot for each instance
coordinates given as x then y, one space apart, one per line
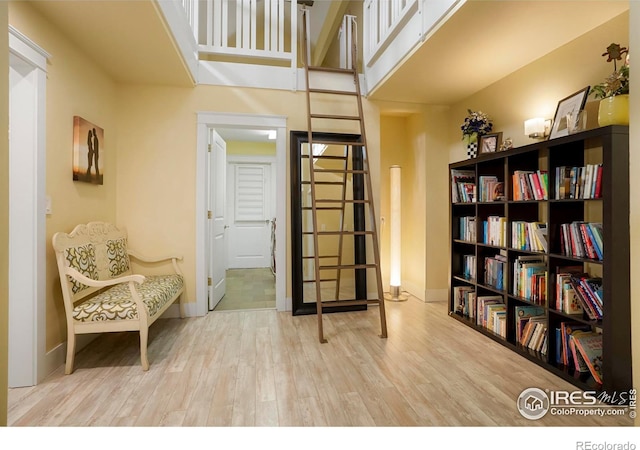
264 29
383 19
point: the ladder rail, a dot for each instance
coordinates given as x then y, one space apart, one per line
365 185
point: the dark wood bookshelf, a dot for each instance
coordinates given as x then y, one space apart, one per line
608 146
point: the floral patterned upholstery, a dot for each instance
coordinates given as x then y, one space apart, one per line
83 259
118 256
117 304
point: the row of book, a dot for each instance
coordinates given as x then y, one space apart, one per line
495 271
530 185
579 182
577 292
531 328
530 279
579 347
469 267
571 182
530 236
492 314
582 240
494 231
463 186
468 228
491 189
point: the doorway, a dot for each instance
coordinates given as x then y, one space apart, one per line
27 199
250 219
247 123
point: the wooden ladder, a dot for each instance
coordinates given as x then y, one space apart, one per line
357 171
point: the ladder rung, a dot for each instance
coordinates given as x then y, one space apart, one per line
340 183
323 256
330 142
324 157
340 171
332 91
323 208
335 233
326 200
334 116
330 303
322 280
330 69
348 266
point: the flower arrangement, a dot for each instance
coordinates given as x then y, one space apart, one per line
618 82
476 122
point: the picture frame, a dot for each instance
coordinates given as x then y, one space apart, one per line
572 104
490 143
88 149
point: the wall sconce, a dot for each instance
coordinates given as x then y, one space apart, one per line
395 279
537 128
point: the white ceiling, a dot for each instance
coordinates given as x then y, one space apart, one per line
487 40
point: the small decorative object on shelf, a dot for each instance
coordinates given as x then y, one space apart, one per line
476 124
614 90
507 144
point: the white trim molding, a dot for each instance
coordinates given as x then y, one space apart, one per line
205 121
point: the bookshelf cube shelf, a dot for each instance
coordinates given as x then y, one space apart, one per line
550 258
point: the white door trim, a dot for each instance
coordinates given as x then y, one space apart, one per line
208 120
27 222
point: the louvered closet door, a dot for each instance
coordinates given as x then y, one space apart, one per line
251 213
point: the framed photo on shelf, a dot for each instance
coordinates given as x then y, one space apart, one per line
490 143
569 105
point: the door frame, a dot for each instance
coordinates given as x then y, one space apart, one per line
206 120
233 160
27 345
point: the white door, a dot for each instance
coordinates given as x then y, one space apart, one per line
217 218
250 215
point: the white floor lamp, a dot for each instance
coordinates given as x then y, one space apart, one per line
395 225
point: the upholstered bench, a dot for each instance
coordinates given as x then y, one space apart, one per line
100 291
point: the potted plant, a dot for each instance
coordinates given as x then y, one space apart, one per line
613 92
476 124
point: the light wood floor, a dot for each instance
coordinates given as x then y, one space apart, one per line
265 368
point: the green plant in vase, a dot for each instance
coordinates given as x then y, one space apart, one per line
476 124
613 92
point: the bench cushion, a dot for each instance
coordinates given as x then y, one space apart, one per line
116 303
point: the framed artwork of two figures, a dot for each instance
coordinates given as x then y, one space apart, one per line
88 149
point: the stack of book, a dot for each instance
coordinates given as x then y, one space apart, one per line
463 186
529 236
491 190
494 231
530 185
578 347
579 182
530 279
582 240
468 228
495 271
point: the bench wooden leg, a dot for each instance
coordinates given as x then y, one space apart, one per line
182 314
144 337
71 352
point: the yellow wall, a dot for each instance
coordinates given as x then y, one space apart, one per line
534 91
4 217
157 141
75 86
251 148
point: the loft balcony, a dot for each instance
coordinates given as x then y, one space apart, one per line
229 34
405 47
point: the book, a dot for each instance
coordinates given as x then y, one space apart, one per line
567 329
590 347
523 314
460 177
